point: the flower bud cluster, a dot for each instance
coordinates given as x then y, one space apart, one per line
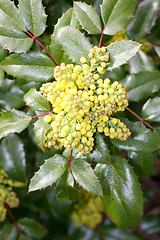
82 103
87 210
7 195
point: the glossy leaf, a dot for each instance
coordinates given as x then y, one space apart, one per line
116 14
33 15
144 19
36 101
40 129
151 110
121 51
74 43
32 66
85 177
142 139
13 122
142 85
142 162
140 62
88 17
12 26
13 157
122 193
32 228
49 172
100 153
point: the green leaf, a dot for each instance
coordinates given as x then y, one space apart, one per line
24 237
12 26
13 122
151 110
3 54
100 153
85 177
33 15
116 14
74 43
142 139
157 49
142 162
13 157
9 232
40 129
123 200
2 76
32 228
32 66
49 172
36 101
88 17
144 19
140 63
121 52
142 85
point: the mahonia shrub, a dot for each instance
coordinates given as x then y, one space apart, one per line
75 93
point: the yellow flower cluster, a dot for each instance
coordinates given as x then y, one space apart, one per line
87 210
6 193
82 103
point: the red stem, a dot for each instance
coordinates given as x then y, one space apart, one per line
141 119
13 219
32 36
69 162
152 46
102 33
40 115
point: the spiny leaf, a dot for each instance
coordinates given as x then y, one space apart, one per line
74 43
32 66
116 14
88 17
49 172
122 201
13 122
121 51
36 101
84 176
33 15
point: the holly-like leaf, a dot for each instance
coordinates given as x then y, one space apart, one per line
151 110
13 122
36 101
144 19
33 15
116 14
100 153
32 228
49 172
121 51
142 85
123 200
40 129
142 139
12 26
3 54
74 43
13 157
32 66
88 17
85 177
